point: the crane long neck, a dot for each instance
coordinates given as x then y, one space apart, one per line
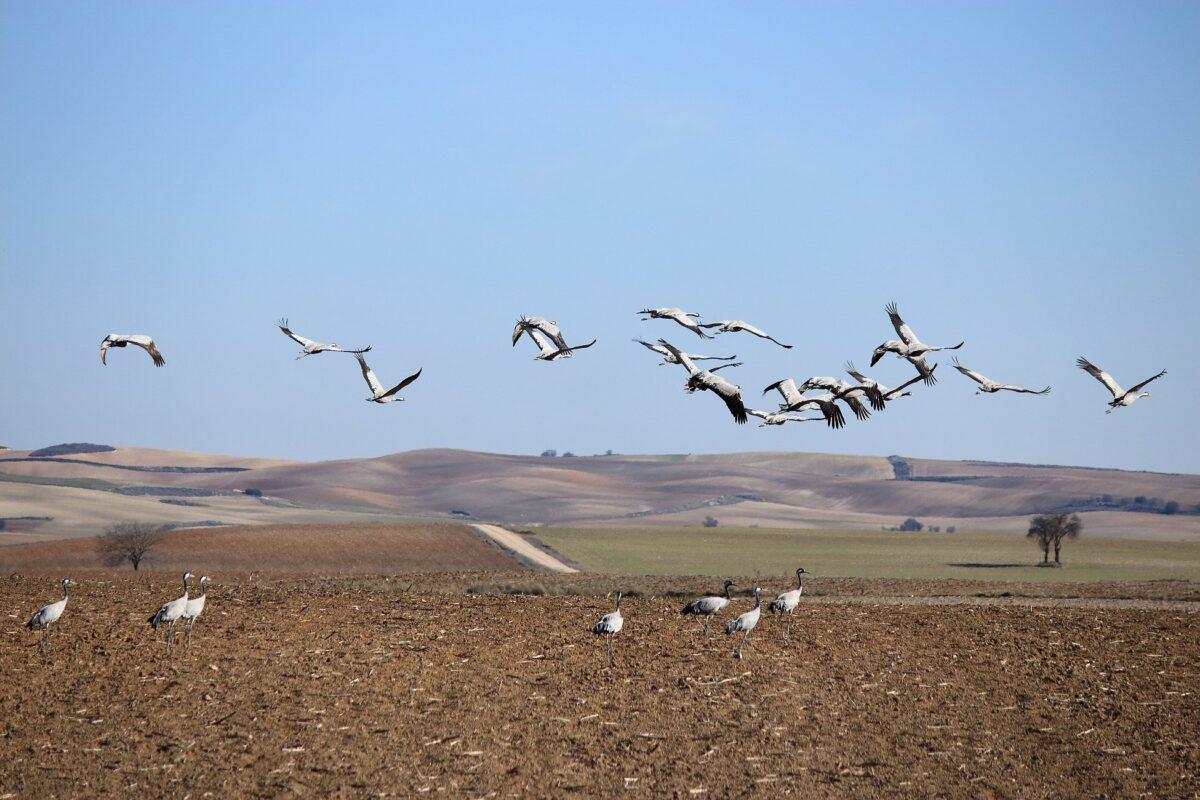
65 591
185 587
799 580
727 597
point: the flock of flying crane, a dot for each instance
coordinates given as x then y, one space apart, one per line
552 346
547 336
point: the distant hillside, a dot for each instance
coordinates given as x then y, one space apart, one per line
71 449
771 489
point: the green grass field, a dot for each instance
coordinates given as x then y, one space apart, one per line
69 483
868 554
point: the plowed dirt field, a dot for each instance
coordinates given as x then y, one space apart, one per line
356 687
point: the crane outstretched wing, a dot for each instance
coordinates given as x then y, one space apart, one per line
1022 390
923 368
1104 377
894 393
874 396
902 329
402 384
300 340
787 388
522 323
1139 386
854 373
553 331
682 357
147 344
567 350
970 373
369 376
857 407
733 401
833 414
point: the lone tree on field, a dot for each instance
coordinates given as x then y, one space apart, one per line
128 541
1049 530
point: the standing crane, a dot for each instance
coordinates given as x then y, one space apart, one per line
744 623
788 601
194 608
708 606
609 626
170 612
49 613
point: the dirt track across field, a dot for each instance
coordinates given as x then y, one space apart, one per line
361 686
514 542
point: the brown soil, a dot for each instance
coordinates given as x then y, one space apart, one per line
287 548
350 687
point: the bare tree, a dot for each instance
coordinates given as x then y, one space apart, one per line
128 541
1049 530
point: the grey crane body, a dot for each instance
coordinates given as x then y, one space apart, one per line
547 327
309 347
706 607
787 602
794 400
989 386
888 394
48 614
124 340
745 623
849 393
669 359
194 608
685 318
171 612
1121 397
908 345
609 626
708 380
378 393
552 352
776 418
738 325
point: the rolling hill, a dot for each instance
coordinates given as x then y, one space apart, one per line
84 491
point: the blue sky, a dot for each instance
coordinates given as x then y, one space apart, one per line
1025 176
